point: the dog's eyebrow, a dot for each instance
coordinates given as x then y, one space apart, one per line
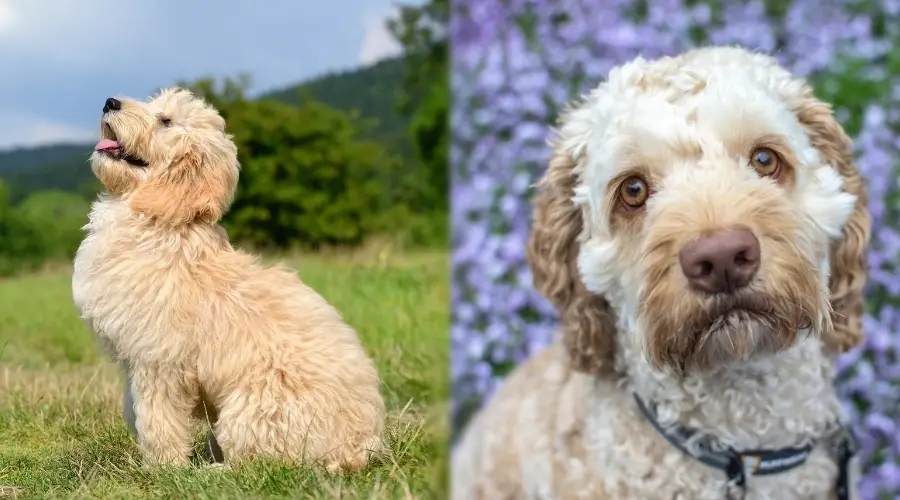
653 144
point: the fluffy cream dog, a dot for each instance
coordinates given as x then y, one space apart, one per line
701 231
204 330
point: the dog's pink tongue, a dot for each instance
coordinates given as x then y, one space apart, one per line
106 144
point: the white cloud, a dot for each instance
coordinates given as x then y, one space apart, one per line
69 36
378 43
7 17
24 131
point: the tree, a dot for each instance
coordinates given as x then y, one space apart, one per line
422 31
21 245
59 217
306 177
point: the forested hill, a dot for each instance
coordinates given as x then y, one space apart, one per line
370 92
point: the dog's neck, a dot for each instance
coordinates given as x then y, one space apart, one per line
781 400
113 214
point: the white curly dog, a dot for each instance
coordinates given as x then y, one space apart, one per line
701 230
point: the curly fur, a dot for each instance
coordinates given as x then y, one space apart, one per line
203 330
564 424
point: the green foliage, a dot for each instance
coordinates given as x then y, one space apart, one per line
371 93
421 30
21 244
23 159
417 230
72 173
58 216
432 145
307 179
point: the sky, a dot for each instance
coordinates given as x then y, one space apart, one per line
61 59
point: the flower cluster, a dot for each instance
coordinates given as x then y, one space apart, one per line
516 62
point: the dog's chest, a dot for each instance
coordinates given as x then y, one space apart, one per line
88 268
99 288
117 283
631 460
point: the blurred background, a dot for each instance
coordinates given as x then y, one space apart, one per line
515 63
339 111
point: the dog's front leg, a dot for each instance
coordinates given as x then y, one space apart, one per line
163 403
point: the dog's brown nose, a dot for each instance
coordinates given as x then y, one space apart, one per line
722 262
112 104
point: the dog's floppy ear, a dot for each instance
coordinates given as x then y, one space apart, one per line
848 254
588 323
197 187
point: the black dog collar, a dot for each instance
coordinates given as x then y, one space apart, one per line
736 464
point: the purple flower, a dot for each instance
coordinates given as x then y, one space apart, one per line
516 62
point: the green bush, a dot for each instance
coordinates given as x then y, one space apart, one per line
306 179
58 216
21 246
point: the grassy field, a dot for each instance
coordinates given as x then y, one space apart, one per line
62 436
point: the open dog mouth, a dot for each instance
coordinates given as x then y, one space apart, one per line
112 148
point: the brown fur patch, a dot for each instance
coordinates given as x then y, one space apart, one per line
587 321
194 188
848 255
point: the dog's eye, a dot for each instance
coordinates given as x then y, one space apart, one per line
634 192
165 121
766 162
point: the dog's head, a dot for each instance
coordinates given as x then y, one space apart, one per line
169 156
706 203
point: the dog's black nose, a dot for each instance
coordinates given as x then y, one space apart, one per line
722 262
112 104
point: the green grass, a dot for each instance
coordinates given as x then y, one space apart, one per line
62 436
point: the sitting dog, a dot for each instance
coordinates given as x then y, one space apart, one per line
202 330
701 230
